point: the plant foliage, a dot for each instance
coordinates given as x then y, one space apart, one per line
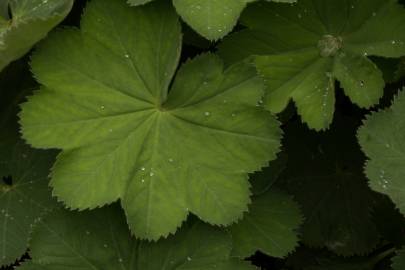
302 49
202 135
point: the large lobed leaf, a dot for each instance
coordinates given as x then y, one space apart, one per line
302 49
212 19
105 102
30 21
100 240
382 139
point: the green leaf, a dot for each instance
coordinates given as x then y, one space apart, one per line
398 262
24 196
105 102
24 191
270 226
302 49
212 19
324 174
31 21
100 239
381 138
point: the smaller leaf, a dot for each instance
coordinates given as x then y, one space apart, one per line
270 226
382 139
99 239
360 78
213 19
24 195
31 21
398 262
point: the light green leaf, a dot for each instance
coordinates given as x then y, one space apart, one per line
301 49
382 139
213 19
31 21
398 262
125 137
325 176
100 240
270 226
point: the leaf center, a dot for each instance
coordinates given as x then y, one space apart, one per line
329 45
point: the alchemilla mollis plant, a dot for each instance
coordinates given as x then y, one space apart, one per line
202 135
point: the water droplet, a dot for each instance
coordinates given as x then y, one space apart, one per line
388 145
233 115
361 83
120 260
188 259
126 55
171 160
207 113
393 42
143 180
102 107
105 246
151 174
143 169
